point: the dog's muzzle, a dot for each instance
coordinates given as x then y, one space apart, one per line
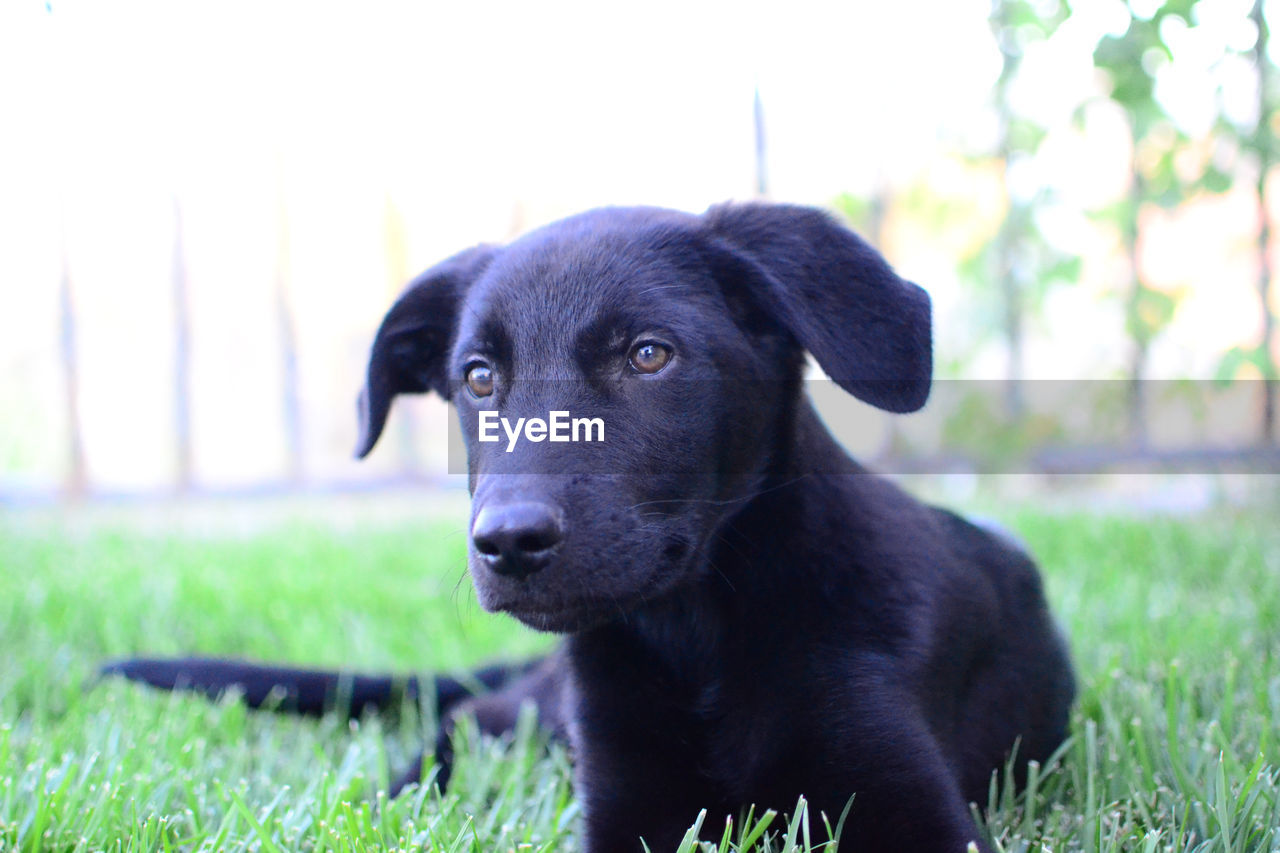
517 539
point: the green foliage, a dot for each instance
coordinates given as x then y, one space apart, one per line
1237 357
1019 23
1013 270
1018 258
856 209
993 442
1132 62
1150 311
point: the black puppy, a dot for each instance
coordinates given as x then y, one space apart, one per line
750 616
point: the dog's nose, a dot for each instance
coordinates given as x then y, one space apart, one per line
516 539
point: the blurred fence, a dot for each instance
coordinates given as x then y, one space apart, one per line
1014 425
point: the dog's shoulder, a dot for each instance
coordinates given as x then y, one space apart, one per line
910 569
992 548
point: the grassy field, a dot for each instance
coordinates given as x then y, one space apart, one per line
1175 625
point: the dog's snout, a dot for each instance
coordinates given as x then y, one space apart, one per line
515 539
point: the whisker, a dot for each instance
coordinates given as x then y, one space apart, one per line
658 287
725 502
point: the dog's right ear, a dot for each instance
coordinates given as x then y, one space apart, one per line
870 330
409 352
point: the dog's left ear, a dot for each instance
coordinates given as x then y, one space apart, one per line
869 329
409 352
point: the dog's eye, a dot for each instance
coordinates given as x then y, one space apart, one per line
649 357
480 380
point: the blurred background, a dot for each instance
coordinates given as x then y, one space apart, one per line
204 212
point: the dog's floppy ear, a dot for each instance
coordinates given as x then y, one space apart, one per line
869 329
409 352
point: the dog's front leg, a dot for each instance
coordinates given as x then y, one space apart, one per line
627 798
906 796
903 812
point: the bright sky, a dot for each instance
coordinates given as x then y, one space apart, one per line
455 123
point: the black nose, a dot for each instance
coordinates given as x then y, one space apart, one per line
516 539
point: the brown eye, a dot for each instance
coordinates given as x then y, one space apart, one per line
649 357
480 380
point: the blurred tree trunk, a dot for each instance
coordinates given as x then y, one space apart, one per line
1012 313
1131 61
1006 271
1139 338
762 160
397 254
288 343
76 483
1263 144
181 354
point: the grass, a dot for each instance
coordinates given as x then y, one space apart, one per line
1175 625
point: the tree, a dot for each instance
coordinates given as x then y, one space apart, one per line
1019 259
1256 140
1133 62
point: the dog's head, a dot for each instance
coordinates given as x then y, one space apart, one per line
684 336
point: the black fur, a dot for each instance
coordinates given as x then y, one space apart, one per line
750 616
